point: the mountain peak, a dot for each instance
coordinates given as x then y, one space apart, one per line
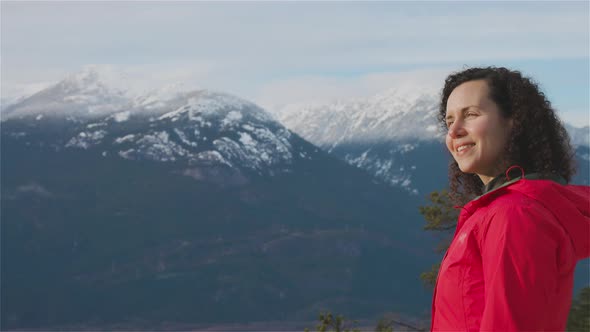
102 90
407 92
400 113
94 91
93 79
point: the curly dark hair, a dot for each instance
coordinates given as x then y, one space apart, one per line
538 142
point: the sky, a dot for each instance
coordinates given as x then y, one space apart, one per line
279 53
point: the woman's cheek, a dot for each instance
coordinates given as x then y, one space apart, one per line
449 144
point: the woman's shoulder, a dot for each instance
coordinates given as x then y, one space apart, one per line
540 196
513 204
533 206
504 199
534 201
515 216
538 192
513 199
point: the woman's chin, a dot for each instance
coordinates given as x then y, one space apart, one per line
466 169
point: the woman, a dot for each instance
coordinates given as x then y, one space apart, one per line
511 262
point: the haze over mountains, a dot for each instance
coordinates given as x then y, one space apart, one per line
197 206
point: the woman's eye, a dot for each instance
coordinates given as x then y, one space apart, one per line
449 124
471 114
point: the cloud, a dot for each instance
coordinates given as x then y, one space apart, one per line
279 52
274 95
578 118
136 78
279 37
321 89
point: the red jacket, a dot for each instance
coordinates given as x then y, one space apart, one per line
511 264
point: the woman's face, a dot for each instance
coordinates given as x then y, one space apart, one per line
477 131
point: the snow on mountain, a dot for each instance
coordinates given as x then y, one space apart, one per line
397 114
92 92
155 99
196 128
377 134
210 128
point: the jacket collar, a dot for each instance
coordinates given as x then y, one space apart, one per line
497 185
512 175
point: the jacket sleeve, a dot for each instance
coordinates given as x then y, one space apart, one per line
519 257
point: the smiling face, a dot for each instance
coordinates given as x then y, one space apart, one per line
477 130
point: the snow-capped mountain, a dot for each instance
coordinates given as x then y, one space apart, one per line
196 128
92 92
95 91
381 134
397 114
208 128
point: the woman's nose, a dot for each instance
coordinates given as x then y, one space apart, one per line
456 129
